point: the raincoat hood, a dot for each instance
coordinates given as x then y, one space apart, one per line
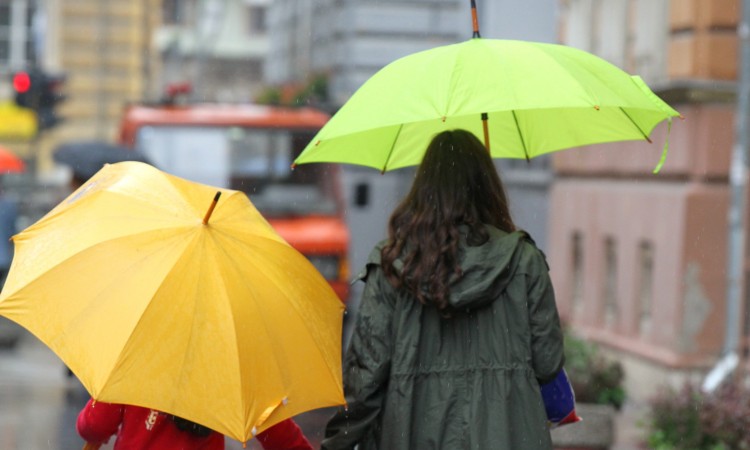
487 268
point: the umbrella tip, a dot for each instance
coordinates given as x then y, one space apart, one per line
211 208
474 20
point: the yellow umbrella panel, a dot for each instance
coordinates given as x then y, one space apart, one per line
222 323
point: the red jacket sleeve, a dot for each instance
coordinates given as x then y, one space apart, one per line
99 421
285 435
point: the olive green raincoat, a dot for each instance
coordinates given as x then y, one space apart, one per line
417 381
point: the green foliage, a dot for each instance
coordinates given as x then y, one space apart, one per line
594 378
689 419
313 93
270 96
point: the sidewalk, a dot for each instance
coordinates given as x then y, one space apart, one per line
630 427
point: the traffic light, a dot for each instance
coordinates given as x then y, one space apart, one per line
52 95
22 87
40 92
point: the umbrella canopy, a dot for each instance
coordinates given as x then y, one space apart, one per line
151 302
537 98
86 158
10 162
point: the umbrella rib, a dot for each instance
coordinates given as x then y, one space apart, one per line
304 322
390 150
554 57
645 136
520 135
250 286
98 243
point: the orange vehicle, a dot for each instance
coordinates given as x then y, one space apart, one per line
251 148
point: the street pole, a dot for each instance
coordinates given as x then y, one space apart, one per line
738 174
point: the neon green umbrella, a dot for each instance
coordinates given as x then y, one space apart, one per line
534 98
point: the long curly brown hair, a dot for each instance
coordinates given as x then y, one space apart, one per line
455 185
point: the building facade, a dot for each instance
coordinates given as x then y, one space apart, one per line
348 41
218 46
639 260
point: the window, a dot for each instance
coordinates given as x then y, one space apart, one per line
256 20
632 34
5 31
171 11
16 34
609 293
577 275
645 286
253 160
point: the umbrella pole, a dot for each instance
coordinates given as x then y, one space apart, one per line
486 129
211 208
474 19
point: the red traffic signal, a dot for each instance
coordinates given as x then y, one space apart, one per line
40 91
21 82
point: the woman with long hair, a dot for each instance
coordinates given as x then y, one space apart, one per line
457 325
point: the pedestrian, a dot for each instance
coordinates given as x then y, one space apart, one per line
140 428
8 219
457 325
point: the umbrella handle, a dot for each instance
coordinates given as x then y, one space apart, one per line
90 446
486 130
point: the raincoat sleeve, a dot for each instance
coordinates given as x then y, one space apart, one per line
285 435
99 421
366 367
546 334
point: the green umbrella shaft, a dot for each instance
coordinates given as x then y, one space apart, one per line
474 19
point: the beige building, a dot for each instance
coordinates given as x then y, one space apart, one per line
639 260
103 48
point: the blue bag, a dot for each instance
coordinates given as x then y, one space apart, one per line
559 401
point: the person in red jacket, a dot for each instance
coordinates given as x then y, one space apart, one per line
140 428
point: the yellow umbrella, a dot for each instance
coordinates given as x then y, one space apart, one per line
153 301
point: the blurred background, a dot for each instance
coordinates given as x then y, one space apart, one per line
227 92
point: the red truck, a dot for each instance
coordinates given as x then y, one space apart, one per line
251 148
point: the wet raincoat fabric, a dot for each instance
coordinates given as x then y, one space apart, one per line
416 381
140 428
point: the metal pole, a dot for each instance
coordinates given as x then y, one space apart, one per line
738 173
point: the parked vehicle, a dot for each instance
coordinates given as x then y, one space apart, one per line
251 148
